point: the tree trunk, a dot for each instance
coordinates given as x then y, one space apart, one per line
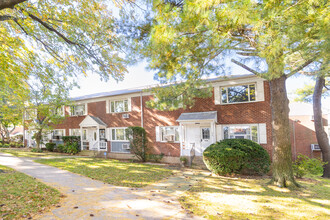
282 156
321 135
38 136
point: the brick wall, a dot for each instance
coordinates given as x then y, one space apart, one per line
303 135
245 113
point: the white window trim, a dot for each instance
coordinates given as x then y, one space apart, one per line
244 84
110 134
160 136
109 103
71 129
237 125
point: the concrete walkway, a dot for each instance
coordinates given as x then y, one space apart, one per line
91 199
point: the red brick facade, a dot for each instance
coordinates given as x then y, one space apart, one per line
242 113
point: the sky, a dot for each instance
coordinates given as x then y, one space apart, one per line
138 76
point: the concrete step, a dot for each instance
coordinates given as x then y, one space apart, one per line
199 163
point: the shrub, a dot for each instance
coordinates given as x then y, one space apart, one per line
60 148
236 156
305 165
72 148
71 139
36 150
155 157
50 146
138 142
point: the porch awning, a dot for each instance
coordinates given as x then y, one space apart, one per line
198 116
92 121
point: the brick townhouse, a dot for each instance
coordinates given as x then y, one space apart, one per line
239 108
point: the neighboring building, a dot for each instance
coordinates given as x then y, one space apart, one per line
303 137
238 108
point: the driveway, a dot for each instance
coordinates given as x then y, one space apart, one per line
91 199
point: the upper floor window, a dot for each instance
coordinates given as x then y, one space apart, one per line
78 110
58 111
241 93
120 106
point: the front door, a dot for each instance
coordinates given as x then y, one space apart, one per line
205 138
92 136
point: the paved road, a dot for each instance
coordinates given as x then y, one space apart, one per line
104 201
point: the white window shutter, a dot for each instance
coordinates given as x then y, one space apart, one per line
70 132
129 103
86 109
107 134
217 95
262 134
107 106
157 133
260 96
219 132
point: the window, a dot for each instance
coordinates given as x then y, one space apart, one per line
57 134
242 93
118 134
84 134
58 111
75 132
78 110
169 134
120 106
205 133
241 132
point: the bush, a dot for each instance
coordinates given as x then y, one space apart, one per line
71 139
72 148
36 150
137 137
240 156
305 165
50 146
155 157
60 148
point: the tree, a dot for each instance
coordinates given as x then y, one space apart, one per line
322 86
45 106
138 142
72 36
191 39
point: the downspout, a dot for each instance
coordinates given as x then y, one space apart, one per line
141 101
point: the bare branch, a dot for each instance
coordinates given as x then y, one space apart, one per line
301 67
245 67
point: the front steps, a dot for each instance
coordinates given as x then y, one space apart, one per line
198 163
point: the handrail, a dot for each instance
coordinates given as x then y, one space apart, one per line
191 154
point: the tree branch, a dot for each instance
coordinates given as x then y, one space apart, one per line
301 67
245 67
9 3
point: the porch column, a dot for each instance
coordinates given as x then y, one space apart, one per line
98 137
213 127
81 139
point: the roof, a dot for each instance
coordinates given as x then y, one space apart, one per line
198 116
140 89
90 121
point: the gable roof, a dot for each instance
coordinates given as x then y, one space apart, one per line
90 121
198 116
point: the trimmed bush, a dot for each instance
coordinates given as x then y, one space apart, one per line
305 165
72 148
155 157
239 156
60 148
36 150
50 146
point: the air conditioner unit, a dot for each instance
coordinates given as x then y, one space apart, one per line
125 146
315 147
169 138
125 115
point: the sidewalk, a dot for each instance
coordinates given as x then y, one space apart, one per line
92 199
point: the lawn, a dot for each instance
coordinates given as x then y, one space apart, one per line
239 198
111 171
25 152
22 196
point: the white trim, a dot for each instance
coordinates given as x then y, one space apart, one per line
116 129
129 107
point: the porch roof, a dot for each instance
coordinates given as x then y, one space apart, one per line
91 121
198 116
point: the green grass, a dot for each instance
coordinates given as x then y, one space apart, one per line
111 171
24 152
238 198
22 196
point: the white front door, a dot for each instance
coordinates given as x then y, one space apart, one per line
91 136
205 138
193 139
